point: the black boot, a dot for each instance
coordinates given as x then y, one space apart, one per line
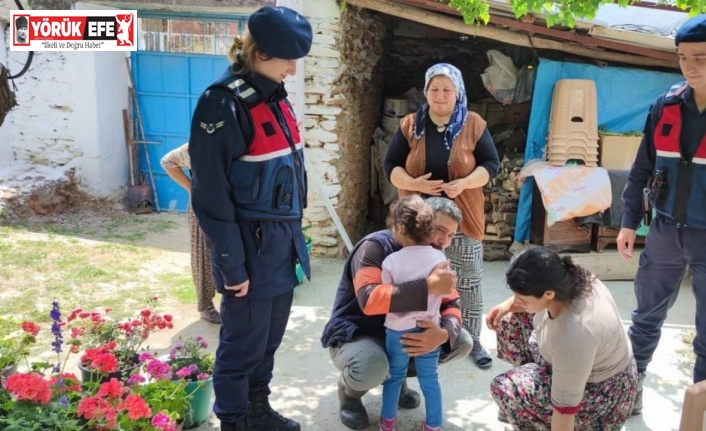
352 412
261 417
241 425
409 399
637 406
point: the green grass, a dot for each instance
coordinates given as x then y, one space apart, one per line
92 261
181 286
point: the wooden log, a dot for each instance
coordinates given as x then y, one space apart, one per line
494 238
503 35
508 207
510 218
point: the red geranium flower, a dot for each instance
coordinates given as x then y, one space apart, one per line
136 407
112 389
30 328
30 387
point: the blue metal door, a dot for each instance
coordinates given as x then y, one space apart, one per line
168 86
178 56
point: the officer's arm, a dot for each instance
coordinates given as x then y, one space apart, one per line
639 176
216 140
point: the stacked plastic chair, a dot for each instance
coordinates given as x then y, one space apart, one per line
573 124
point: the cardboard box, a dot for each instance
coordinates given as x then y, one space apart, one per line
617 152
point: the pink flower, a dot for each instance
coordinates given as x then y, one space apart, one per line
184 372
158 369
203 376
162 422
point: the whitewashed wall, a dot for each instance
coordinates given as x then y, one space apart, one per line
69 116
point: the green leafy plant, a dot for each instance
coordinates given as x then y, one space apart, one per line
163 391
31 401
562 12
15 339
124 339
307 237
189 360
48 399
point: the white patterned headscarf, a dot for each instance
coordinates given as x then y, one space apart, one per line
460 112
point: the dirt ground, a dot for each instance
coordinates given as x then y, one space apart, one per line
135 257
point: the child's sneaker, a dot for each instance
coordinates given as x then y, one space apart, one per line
426 427
387 424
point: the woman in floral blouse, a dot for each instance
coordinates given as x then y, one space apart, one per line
174 163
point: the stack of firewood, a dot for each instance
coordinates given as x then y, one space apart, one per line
502 195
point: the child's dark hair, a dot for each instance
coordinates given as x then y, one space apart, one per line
415 216
539 269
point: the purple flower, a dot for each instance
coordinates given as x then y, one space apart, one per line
55 315
135 378
64 400
145 357
201 342
175 350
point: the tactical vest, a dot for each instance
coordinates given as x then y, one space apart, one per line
269 181
683 197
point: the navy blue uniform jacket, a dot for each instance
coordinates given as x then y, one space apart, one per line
262 251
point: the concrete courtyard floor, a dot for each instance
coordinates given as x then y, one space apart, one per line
304 385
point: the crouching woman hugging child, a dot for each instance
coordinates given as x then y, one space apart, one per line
410 220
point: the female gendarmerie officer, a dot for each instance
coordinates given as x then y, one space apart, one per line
248 192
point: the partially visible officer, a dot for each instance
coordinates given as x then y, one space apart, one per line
670 172
249 192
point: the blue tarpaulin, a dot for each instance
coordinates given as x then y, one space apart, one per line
624 98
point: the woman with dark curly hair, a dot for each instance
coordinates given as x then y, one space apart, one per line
561 329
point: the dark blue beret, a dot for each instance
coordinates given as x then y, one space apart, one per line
694 30
21 21
281 32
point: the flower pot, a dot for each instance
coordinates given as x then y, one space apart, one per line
88 375
199 402
9 370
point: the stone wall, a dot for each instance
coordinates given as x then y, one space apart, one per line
343 105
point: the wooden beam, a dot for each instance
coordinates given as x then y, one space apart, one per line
502 35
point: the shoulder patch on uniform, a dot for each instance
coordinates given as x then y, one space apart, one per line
211 128
676 90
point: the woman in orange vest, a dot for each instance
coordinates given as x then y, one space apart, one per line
445 150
